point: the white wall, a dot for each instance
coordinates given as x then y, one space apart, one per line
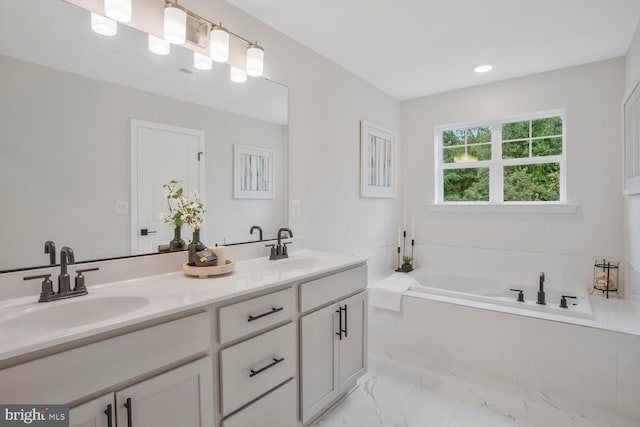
591 95
326 104
632 203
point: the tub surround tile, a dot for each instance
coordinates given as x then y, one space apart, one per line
396 394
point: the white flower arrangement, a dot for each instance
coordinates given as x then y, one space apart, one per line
182 210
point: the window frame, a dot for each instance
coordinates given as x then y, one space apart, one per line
497 164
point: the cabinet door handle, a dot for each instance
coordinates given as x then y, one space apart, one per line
127 405
109 413
253 373
273 310
340 329
346 325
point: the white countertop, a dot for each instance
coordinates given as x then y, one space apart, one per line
167 294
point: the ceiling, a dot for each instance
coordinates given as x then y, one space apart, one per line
412 48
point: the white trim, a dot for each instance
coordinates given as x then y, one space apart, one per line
497 163
631 141
135 125
507 207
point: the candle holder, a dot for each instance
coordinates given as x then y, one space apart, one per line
605 277
407 261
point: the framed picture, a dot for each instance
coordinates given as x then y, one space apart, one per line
377 161
632 142
253 172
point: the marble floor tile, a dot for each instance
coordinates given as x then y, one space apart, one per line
395 395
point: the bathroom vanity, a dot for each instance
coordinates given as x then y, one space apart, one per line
276 343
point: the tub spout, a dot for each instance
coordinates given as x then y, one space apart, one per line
541 300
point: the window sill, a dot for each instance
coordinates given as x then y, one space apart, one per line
528 208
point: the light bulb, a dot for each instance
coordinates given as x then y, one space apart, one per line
159 46
238 75
255 60
103 25
175 24
118 10
219 44
202 62
483 68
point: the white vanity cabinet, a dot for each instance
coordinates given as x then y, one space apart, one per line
138 365
333 339
174 398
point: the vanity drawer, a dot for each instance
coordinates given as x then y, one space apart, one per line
331 288
277 408
255 366
73 374
249 316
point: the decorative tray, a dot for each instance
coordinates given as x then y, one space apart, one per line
214 270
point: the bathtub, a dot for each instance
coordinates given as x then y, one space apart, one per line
496 292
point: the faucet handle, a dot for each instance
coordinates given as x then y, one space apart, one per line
563 301
284 248
80 286
47 286
520 294
273 252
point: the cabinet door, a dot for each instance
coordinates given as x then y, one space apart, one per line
99 412
319 358
181 397
353 346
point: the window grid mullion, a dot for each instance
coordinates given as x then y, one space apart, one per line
495 171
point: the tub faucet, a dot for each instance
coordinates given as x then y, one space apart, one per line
541 290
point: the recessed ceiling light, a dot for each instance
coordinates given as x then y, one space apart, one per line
483 68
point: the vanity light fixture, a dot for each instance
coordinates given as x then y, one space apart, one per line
238 75
255 60
159 46
118 10
202 62
219 43
209 37
175 23
483 68
103 25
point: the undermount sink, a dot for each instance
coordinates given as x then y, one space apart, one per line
60 315
298 263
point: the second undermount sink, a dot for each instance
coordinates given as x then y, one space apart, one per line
298 263
61 315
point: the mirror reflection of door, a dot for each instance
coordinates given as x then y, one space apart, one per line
159 154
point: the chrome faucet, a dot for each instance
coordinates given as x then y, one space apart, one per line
279 250
50 248
541 291
256 227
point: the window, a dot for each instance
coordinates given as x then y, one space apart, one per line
516 160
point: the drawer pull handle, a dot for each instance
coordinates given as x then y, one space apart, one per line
109 413
273 310
270 365
127 405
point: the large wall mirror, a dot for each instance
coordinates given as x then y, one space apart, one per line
68 100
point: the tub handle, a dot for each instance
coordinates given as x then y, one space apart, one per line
520 294
563 301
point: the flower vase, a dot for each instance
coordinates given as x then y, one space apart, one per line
195 246
177 244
